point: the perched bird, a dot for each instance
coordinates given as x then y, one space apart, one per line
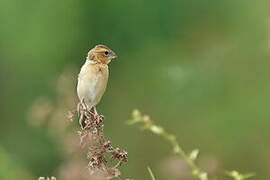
93 77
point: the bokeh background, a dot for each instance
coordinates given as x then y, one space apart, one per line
198 68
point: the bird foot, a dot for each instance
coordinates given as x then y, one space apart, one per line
98 119
88 118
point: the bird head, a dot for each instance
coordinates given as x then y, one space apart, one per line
101 54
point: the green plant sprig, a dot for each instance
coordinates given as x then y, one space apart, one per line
237 176
189 158
148 124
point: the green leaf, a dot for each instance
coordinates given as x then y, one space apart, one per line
151 173
194 154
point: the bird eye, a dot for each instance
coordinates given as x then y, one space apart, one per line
106 52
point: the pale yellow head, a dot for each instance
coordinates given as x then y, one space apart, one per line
101 54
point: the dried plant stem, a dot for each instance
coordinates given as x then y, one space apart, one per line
99 149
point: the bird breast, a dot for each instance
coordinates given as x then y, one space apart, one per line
92 82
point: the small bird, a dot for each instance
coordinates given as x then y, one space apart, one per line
93 76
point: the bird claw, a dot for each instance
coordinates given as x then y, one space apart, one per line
88 117
98 119
101 117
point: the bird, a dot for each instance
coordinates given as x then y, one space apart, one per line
93 77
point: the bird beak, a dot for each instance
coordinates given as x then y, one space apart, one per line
113 55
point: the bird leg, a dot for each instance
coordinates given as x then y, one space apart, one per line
88 116
95 111
98 118
83 115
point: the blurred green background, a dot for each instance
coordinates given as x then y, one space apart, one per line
198 68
